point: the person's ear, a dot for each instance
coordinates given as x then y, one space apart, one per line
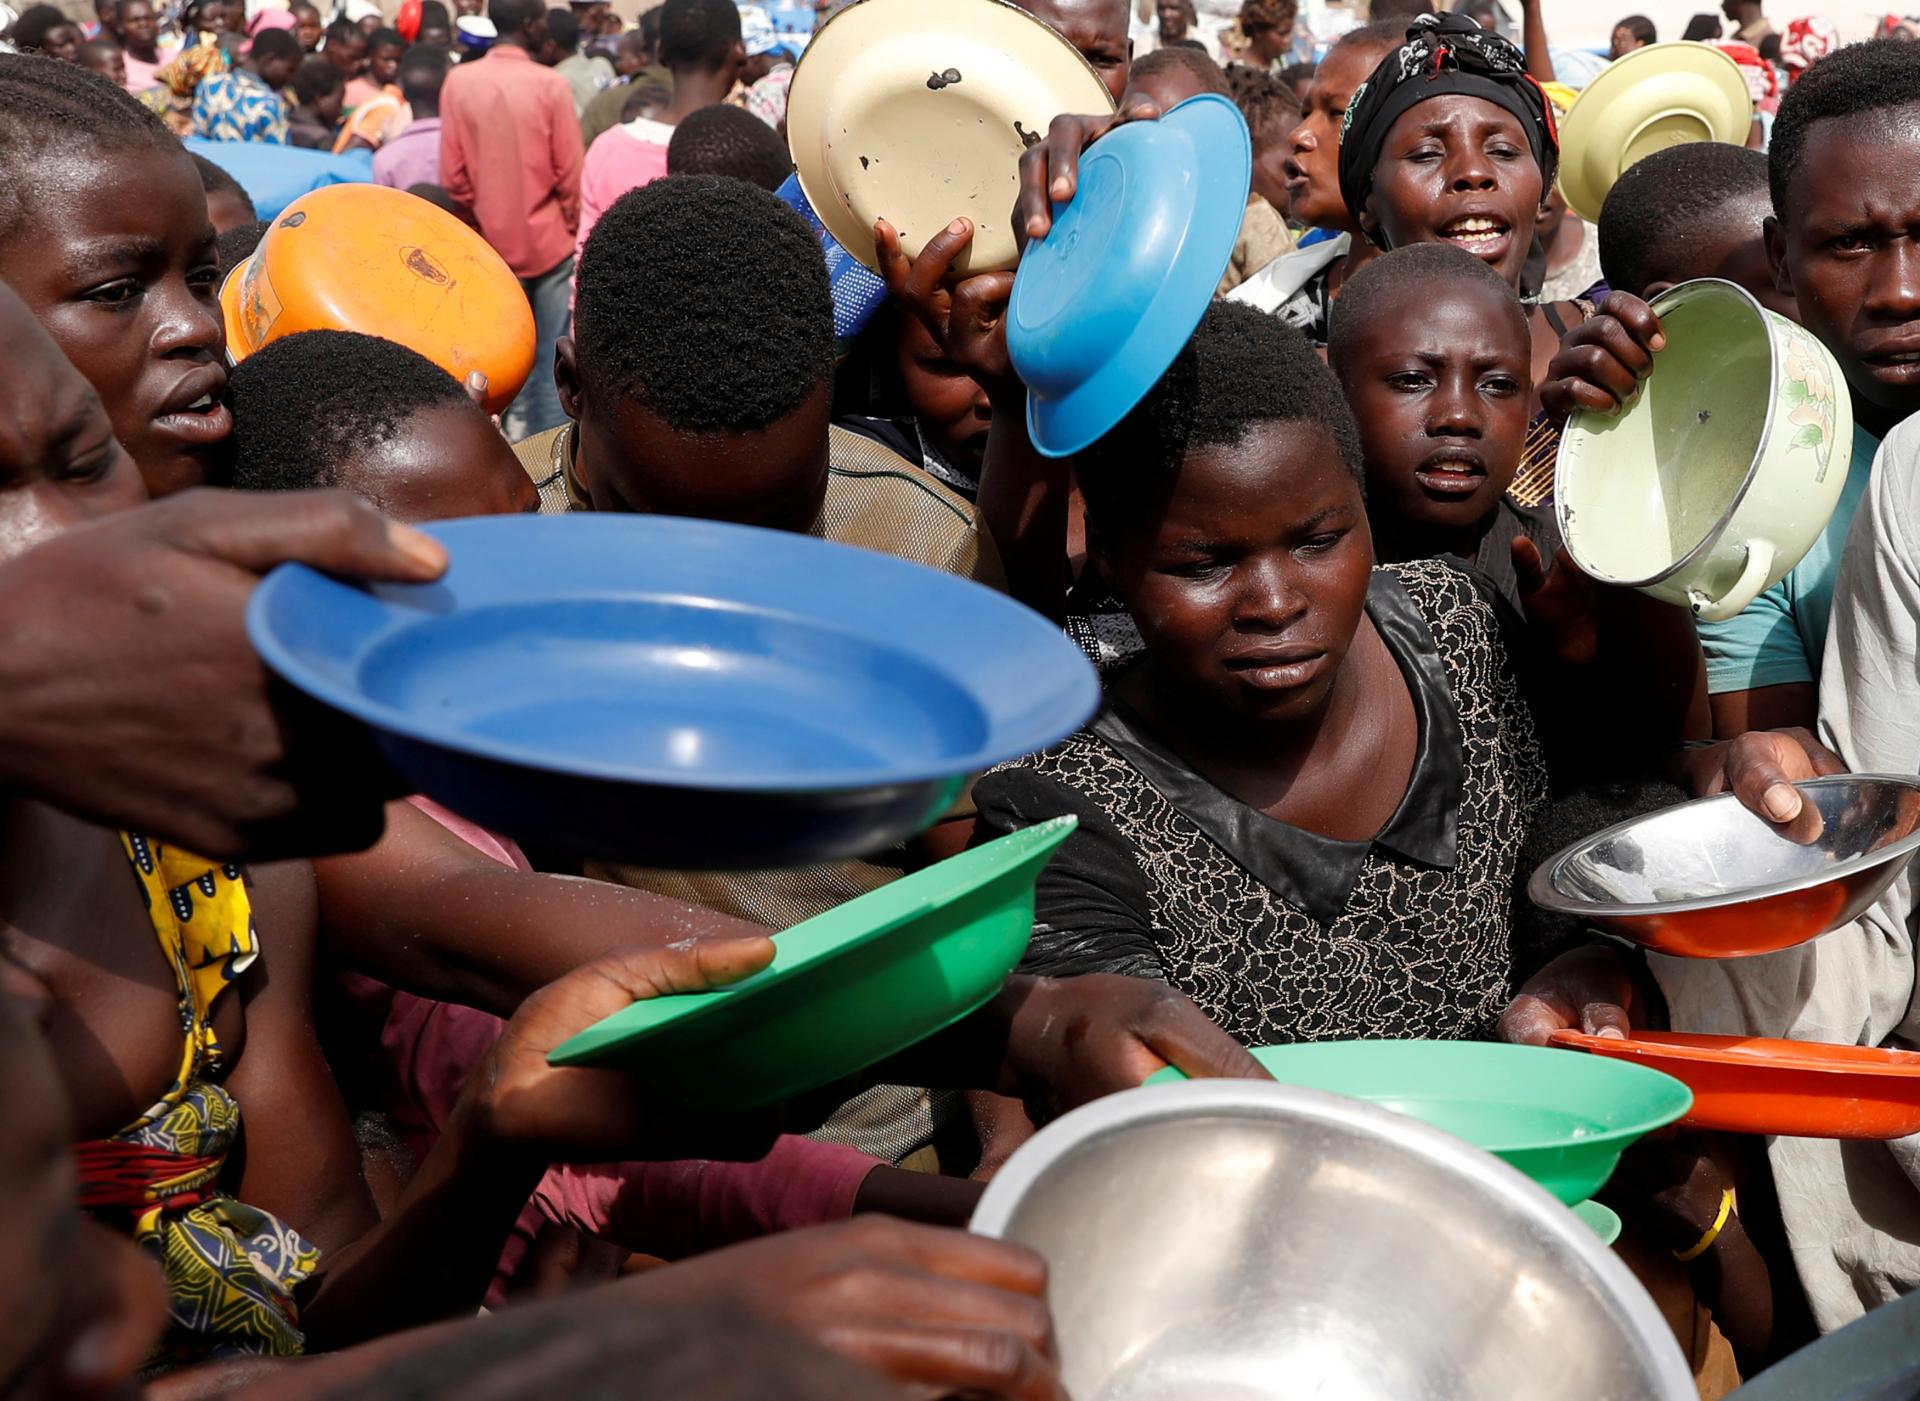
1776 238
566 378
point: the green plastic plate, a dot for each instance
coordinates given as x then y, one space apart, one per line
1565 1131
846 989
1599 1218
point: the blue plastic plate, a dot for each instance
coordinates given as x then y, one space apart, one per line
679 693
1103 305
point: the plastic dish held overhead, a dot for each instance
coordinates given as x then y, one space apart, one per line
385 263
679 693
1105 302
917 112
1564 1131
846 989
1658 96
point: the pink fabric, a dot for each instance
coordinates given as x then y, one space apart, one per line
140 72
510 151
624 158
665 1209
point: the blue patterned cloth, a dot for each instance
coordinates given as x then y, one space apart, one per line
238 106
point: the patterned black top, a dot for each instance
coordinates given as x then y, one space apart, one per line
1281 934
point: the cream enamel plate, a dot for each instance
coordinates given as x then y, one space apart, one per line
917 111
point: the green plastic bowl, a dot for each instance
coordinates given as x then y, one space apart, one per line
846 989
1599 1218
1565 1131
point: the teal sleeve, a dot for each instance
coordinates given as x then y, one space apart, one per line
1759 646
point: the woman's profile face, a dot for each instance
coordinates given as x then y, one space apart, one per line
1249 581
1458 169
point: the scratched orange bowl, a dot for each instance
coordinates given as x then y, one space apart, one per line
1797 1089
389 264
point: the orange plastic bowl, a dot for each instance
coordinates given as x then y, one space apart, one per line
380 261
1800 1089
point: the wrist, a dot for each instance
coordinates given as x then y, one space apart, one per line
479 1127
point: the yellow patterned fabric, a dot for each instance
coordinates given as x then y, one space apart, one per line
231 1270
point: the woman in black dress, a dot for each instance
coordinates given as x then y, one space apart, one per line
1303 806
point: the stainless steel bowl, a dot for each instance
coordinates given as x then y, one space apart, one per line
1708 879
1229 1240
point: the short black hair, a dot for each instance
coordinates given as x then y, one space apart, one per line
237 243
563 28
1269 104
705 300
1429 270
1197 63
343 31
316 78
1242 368
303 405
423 71
646 92
215 180
101 46
698 33
1872 77
1400 11
36 22
1702 29
511 16
1652 220
1382 29
724 140
277 43
1257 16
51 110
649 26
383 39
1641 28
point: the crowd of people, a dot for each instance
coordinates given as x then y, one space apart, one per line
1354 686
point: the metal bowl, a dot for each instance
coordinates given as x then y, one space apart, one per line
1233 1240
1709 879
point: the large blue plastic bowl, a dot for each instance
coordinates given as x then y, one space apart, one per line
1105 302
679 693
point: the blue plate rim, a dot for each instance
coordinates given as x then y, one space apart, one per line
1076 701
1200 112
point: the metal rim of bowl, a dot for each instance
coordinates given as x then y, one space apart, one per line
1666 301
1542 891
1271 1100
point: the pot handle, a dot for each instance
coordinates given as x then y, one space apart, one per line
1745 590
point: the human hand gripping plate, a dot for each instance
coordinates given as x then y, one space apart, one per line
1104 303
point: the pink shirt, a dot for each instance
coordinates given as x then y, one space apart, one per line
624 158
411 158
510 151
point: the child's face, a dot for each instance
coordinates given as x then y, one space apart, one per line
444 462
630 459
109 63
1439 382
306 27
949 404
137 24
1846 251
1458 170
127 289
328 106
1248 584
1271 149
1165 89
384 63
1313 166
60 464
347 52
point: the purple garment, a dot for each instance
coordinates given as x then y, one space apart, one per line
411 158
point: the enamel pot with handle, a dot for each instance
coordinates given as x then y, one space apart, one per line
1718 476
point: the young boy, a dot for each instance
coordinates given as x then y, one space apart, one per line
1099 29
229 206
1431 347
319 93
730 141
1836 242
104 56
1698 210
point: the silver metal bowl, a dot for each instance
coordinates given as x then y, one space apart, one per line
1708 879
1229 1240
